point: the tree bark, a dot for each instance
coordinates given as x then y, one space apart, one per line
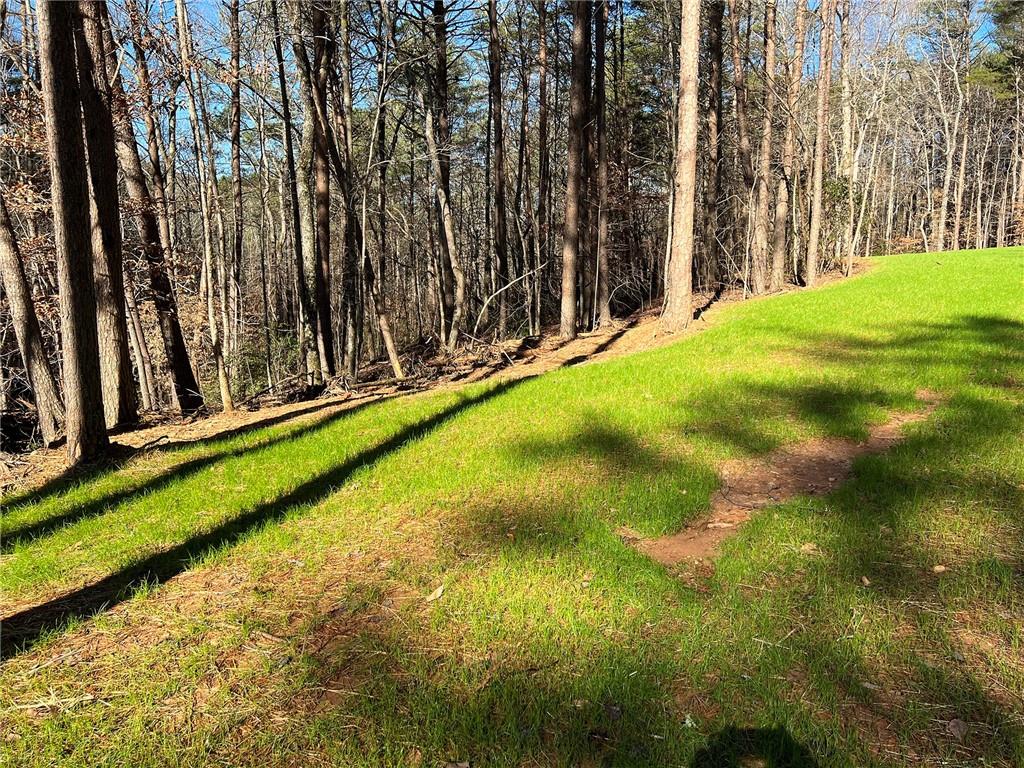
713 183
186 389
85 428
679 272
120 404
820 141
786 186
544 158
49 408
760 267
603 298
498 167
307 342
574 169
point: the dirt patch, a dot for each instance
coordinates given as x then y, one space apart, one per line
811 468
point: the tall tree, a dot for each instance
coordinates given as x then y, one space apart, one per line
713 182
208 194
308 355
544 159
574 168
186 389
786 186
119 399
827 12
452 277
85 427
760 266
679 273
603 297
235 140
49 408
498 166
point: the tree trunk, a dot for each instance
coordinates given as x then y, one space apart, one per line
544 159
786 186
574 169
307 232
679 272
186 389
49 408
207 195
713 183
238 230
85 428
143 360
498 167
603 299
820 142
307 344
760 258
119 400
740 86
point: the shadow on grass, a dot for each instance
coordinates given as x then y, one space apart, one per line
121 454
574 689
851 697
744 747
14 537
22 630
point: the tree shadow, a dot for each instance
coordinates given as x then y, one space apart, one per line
22 630
121 454
586 694
14 537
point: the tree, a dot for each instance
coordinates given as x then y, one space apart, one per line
760 264
498 166
49 408
207 200
574 169
185 387
603 299
85 428
679 273
820 141
786 184
119 399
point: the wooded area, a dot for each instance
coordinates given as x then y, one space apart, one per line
199 202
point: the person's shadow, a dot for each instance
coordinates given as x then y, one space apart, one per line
753 748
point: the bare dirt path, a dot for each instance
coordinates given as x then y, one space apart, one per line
811 468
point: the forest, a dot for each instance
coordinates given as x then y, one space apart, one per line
469 383
284 193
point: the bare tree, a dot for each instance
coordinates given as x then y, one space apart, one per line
49 408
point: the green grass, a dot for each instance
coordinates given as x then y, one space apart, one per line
297 632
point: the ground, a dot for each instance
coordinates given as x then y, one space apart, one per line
443 579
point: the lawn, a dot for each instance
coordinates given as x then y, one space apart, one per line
438 579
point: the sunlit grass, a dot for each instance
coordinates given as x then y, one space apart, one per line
302 634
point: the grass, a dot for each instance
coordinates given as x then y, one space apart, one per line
299 629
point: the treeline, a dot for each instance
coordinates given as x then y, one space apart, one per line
201 201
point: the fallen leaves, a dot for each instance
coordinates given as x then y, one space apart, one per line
434 595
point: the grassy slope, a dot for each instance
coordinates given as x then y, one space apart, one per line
304 637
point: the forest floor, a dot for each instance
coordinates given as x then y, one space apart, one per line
511 360
459 578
